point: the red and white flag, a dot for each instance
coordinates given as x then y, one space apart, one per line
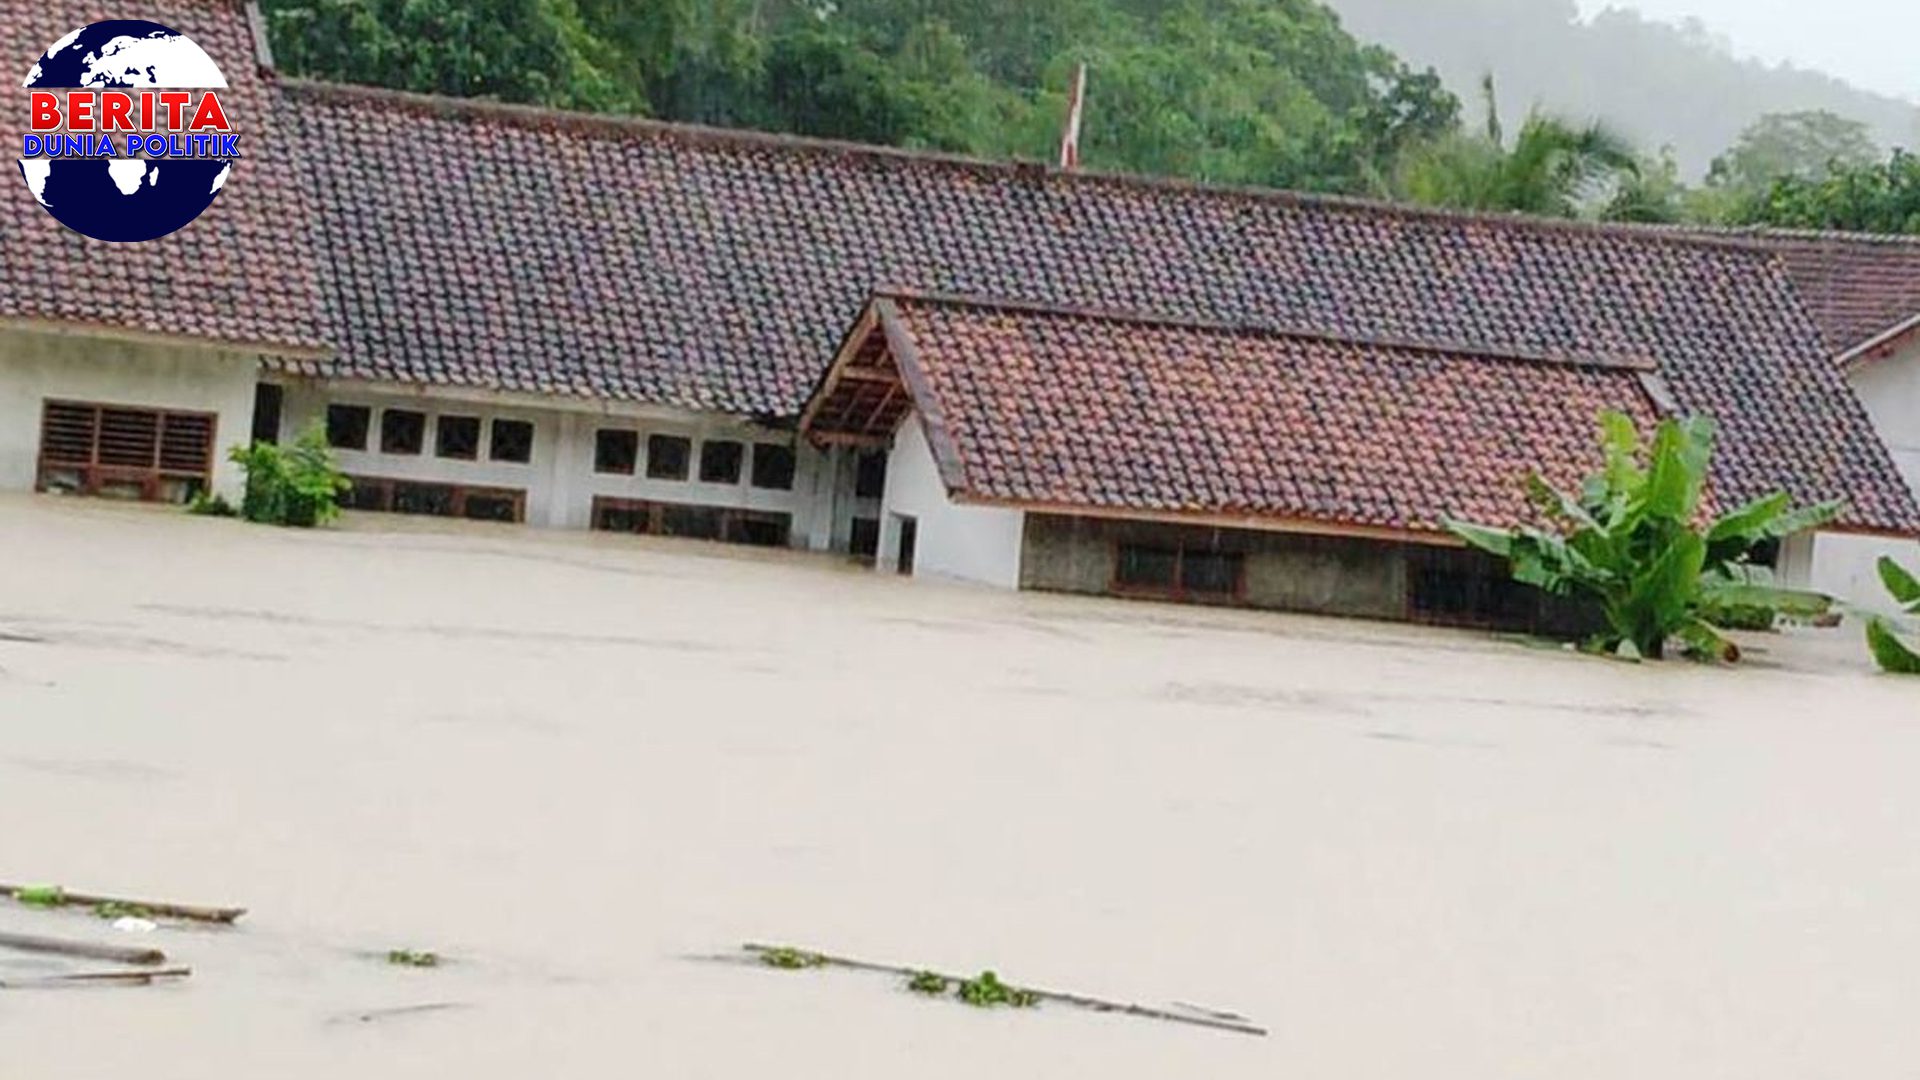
1070 139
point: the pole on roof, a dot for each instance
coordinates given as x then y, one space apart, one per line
1070 138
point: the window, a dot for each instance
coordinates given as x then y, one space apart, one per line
698 522
124 453
614 451
1147 567
457 437
402 431
729 524
870 475
667 457
720 462
1179 572
1213 573
436 500
773 466
865 540
512 441
347 426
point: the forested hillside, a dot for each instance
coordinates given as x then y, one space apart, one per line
1261 91
1269 92
1659 84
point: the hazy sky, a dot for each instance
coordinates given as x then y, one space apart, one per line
1871 43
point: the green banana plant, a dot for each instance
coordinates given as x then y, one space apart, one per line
1629 540
1883 638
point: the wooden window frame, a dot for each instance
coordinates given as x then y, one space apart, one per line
382 487
732 519
151 478
1178 592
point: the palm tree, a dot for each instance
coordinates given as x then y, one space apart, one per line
1551 167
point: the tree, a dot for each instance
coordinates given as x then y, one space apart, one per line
531 51
1801 145
1551 168
1883 197
1883 637
1630 542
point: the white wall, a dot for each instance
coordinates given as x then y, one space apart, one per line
965 543
1890 390
37 365
560 481
1844 566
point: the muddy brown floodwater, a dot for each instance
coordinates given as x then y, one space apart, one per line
575 764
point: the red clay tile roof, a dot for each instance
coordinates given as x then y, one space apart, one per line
504 247
240 274
1857 286
1071 409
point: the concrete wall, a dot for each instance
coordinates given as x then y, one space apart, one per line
1844 566
980 544
37 365
560 481
1284 571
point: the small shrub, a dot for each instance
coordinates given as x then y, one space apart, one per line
214 505
1883 637
298 485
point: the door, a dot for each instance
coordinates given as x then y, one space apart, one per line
909 536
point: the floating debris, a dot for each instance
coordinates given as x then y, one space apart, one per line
987 990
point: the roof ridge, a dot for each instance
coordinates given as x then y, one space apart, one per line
1777 232
1457 349
534 115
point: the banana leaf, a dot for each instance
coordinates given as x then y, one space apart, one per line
1490 540
1889 651
1901 583
1795 603
1705 641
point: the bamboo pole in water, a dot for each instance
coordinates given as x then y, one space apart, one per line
163 908
1222 1021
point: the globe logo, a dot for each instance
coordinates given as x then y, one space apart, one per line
130 142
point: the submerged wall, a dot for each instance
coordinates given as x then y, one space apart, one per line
1846 566
559 479
980 544
36 366
1327 575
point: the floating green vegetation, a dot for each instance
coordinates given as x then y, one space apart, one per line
986 990
788 958
41 895
927 982
419 958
